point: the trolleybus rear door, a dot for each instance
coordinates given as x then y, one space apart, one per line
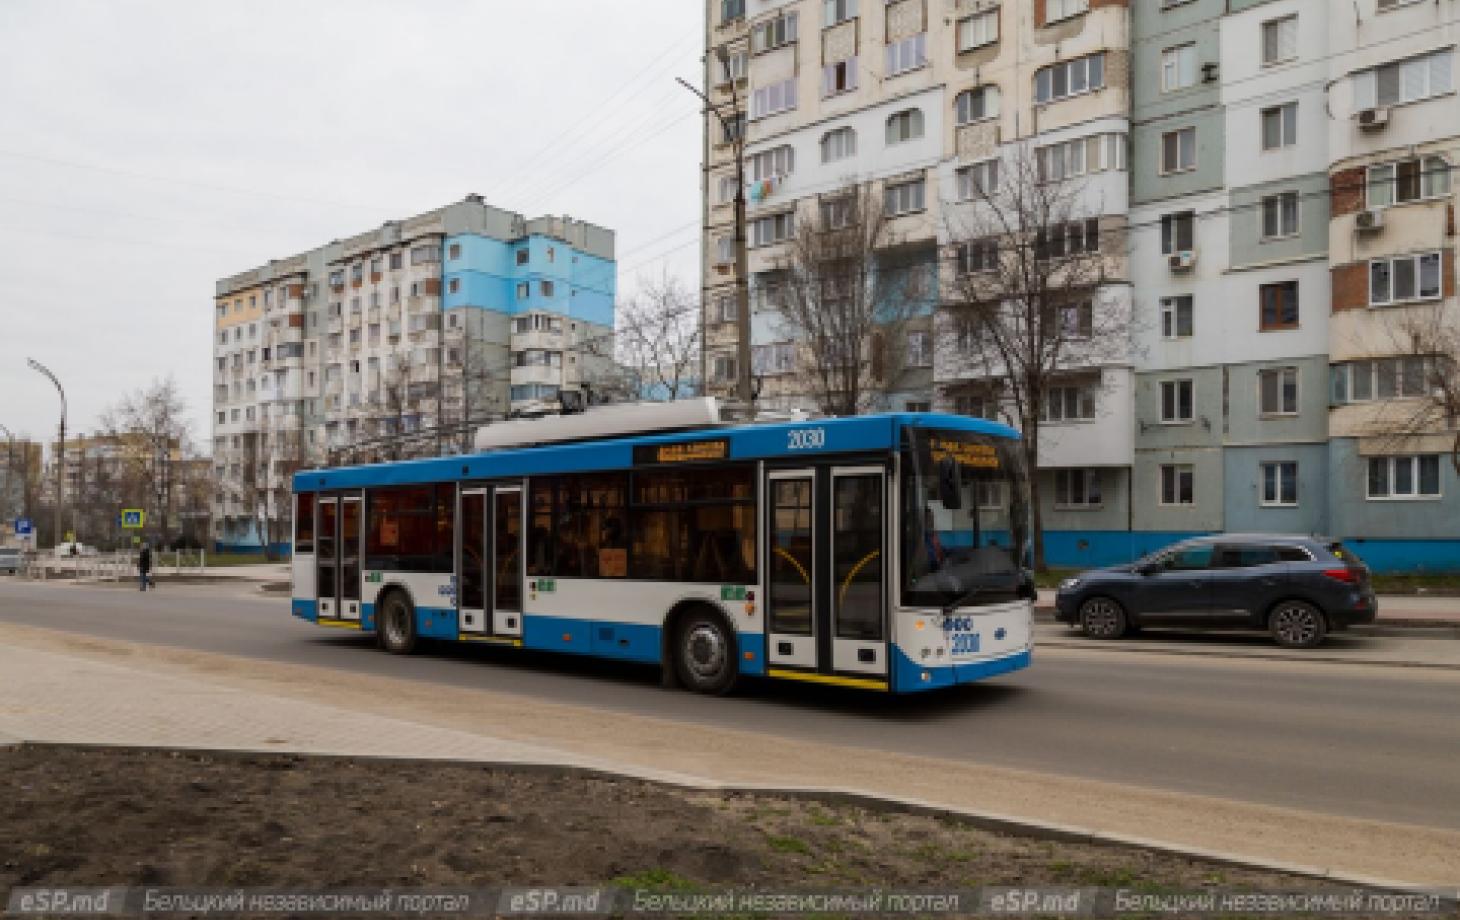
327 556
351 536
507 558
791 585
471 562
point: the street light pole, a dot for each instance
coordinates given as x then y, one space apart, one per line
9 473
735 130
61 451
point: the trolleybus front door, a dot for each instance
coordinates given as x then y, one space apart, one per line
351 535
489 561
826 598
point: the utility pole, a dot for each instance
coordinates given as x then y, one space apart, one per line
60 453
9 474
734 129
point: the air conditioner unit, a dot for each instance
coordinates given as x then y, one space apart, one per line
1371 221
1373 119
1209 72
1183 261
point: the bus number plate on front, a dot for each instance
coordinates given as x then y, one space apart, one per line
962 637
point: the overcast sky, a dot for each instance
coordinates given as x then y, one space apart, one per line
150 147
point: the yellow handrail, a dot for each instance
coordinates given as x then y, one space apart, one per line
842 597
792 559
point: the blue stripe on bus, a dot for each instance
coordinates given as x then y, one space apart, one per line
436 623
907 675
304 609
747 442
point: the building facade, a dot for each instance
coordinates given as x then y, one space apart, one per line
428 324
1272 181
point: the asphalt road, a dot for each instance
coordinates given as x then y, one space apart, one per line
1353 740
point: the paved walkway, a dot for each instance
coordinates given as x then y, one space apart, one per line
60 688
1393 608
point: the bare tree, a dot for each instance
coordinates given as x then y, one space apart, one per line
657 342
1026 305
845 299
152 424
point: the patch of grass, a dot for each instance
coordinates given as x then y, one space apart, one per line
1053 577
1106 878
822 818
1443 585
232 559
788 844
656 879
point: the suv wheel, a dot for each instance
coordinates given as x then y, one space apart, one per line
1103 618
1297 624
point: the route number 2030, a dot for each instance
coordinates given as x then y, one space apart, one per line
806 439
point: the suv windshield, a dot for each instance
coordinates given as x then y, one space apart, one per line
965 518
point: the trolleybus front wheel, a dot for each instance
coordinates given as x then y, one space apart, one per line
705 652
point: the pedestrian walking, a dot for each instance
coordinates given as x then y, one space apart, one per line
144 567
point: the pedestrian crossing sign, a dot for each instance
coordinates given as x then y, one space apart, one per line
133 518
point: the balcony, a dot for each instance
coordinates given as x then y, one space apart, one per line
537 373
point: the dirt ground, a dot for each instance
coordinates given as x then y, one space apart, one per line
120 817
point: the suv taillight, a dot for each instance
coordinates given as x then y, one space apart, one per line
1346 575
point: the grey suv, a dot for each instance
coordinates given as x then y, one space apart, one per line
1297 588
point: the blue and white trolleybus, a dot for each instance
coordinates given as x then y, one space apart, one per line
882 552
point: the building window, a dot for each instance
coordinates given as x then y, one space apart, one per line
979 180
522 256
1178 151
978 30
734 66
1178 67
840 77
1077 488
908 54
839 11
524 290
1278 306
976 104
731 10
1406 81
906 125
1069 78
1076 321
1383 378
425 255
1280 484
1280 126
1177 317
1404 278
1055 10
905 197
1178 482
732 130
769 164
776 228
773 99
837 212
1178 401
838 145
773 33
726 304
919 349
1404 477
454 252
1279 40
1277 391
724 370
1178 232
547 288
1069 404
454 285
1067 239
1280 215
1080 156
724 250
774 359
1407 180
980 255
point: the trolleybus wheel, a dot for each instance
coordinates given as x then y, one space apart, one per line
395 623
705 652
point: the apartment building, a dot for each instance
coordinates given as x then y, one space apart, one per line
463 313
1271 178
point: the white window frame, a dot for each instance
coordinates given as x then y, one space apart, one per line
777 162
987 97
907 55
835 12
1418 259
1416 478
977 180
772 229
1171 316
919 348
1275 213
1284 40
842 141
1178 67
978 30
774 33
911 126
1088 71
908 197
1181 134
1175 387
839 77
1434 181
1176 472
1287 386
1286 115
1086 497
1059 400
1414 79
774 99
1059 10
1284 473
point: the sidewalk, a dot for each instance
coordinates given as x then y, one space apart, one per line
65 689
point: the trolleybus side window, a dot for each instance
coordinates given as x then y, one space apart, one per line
304 523
411 528
695 525
590 530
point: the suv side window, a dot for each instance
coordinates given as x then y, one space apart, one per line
1190 559
1293 554
1242 557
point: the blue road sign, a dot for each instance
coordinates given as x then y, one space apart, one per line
24 527
133 518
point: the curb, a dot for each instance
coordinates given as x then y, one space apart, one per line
1219 653
1395 628
989 821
